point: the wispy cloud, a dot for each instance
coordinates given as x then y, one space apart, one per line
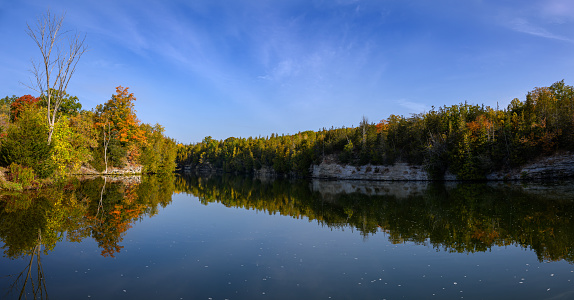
413 107
521 25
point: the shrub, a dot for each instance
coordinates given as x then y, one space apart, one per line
11 186
21 174
26 143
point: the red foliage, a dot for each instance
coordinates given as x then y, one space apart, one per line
22 103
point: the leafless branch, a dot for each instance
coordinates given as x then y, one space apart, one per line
60 53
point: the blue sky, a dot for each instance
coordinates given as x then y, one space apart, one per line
256 67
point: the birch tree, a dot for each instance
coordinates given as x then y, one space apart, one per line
60 52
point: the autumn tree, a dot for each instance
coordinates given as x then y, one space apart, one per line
21 104
117 121
60 52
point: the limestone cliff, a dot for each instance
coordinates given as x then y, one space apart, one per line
560 165
398 171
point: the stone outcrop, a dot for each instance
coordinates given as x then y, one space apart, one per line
398 171
560 165
129 169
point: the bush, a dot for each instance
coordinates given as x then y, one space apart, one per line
10 186
21 174
26 143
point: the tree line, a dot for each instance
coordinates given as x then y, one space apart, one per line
465 139
107 136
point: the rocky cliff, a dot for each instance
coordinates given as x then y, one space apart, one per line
398 171
560 165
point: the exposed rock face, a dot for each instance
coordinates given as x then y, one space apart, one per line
127 170
559 165
398 171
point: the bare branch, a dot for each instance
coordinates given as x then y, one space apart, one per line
60 52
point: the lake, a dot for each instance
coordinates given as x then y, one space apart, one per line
232 237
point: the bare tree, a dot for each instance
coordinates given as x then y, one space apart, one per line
107 138
61 51
364 127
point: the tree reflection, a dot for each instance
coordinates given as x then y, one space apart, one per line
99 208
466 218
462 218
32 223
29 280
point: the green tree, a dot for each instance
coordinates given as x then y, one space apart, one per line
72 141
69 105
159 152
27 144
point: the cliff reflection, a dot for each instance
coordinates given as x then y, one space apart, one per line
467 218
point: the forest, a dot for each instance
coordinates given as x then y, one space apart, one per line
108 136
467 140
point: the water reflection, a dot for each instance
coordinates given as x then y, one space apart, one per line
457 217
464 218
32 277
32 223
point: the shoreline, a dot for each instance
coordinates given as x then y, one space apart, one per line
557 166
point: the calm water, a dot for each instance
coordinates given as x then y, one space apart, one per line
239 238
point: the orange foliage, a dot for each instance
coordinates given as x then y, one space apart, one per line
486 236
120 115
480 124
382 126
480 129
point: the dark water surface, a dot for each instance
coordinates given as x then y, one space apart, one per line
239 238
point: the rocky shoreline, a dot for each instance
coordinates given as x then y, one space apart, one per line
129 169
